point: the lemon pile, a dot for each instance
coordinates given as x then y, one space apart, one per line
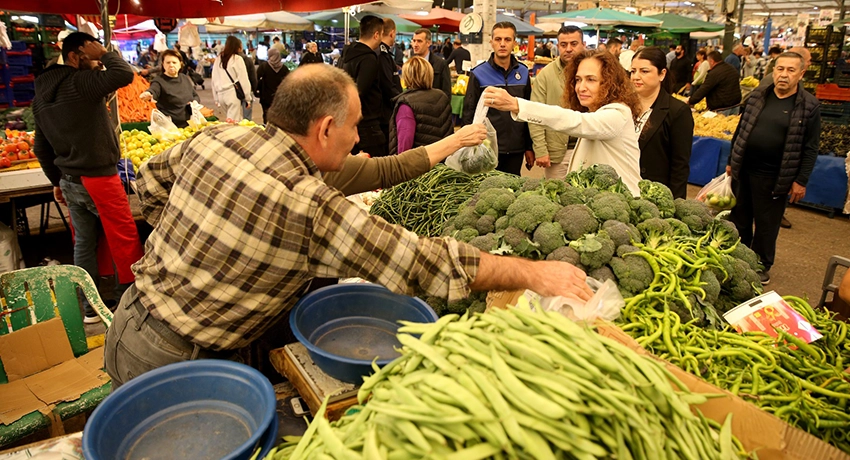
721 127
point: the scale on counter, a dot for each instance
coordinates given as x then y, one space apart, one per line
294 362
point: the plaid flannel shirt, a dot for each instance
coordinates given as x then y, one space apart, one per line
243 221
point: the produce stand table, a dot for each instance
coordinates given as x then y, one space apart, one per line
827 188
22 184
708 159
144 125
457 105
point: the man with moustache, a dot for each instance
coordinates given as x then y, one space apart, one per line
553 149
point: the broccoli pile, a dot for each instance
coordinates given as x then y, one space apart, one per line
661 252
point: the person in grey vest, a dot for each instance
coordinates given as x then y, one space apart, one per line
773 153
422 114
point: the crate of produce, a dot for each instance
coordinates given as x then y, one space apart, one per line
810 86
835 119
18 45
816 34
832 92
25 34
18 71
23 79
814 72
50 34
842 79
833 53
23 86
816 52
835 109
23 95
19 58
52 20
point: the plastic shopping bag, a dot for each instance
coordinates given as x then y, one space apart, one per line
162 128
196 121
605 304
480 158
717 194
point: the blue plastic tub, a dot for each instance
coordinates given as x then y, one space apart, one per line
206 409
344 327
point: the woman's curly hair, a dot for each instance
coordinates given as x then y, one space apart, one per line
614 86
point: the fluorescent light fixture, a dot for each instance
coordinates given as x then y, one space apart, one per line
508 14
816 7
689 4
334 21
136 2
631 9
422 13
32 19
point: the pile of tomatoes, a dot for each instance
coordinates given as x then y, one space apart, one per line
16 148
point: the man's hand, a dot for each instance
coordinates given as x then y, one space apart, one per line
529 159
543 162
471 135
728 170
554 278
547 278
144 72
94 50
57 195
797 192
247 105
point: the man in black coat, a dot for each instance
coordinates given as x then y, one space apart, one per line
773 153
422 47
459 54
681 70
722 87
388 78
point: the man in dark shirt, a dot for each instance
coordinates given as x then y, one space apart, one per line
722 88
681 70
388 78
773 153
422 47
459 54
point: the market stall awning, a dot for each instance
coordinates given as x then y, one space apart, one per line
682 24
522 27
603 17
172 8
279 20
438 17
143 30
333 19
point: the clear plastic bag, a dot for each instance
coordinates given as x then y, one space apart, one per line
197 120
605 304
162 128
480 158
717 194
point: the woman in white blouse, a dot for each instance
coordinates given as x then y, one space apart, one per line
228 69
602 112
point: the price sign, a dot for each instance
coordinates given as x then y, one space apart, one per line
768 313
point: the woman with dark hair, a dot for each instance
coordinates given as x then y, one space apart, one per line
269 76
228 70
666 125
173 90
701 69
602 109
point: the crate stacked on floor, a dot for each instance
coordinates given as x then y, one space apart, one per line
17 78
824 44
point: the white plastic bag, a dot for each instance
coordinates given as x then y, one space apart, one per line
10 252
605 304
480 158
717 194
162 128
196 121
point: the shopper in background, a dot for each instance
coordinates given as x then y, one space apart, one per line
680 70
422 47
503 70
773 153
76 145
446 51
602 111
269 76
666 125
389 80
173 90
289 225
748 63
422 114
700 70
734 58
228 72
627 55
772 54
251 68
459 55
670 56
553 149
361 62
311 54
721 88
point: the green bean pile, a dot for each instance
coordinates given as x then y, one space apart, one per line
803 384
517 384
421 205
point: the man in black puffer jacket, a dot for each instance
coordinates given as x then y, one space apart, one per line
722 87
773 153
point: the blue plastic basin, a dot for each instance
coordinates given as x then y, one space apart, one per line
344 327
205 409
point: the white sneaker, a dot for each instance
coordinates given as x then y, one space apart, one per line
91 319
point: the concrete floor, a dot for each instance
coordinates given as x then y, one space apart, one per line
803 251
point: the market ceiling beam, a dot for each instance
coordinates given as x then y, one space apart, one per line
173 8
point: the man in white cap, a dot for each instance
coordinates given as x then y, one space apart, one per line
59 40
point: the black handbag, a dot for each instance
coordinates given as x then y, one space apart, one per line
240 93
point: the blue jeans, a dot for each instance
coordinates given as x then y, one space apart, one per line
85 220
247 113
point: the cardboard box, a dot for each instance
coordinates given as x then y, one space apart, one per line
760 431
42 370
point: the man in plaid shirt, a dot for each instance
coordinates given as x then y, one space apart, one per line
244 218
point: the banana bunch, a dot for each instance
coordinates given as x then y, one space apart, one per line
720 127
750 82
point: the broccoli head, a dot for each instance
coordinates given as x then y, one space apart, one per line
641 210
695 214
660 195
677 227
486 224
741 283
486 243
686 314
553 188
609 206
530 209
529 184
624 249
588 193
565 254
577 220
711 286
599 176
502 223
742 252
602 274
466 235
520 243
621 233
655 232
500 180
549 236
634 274
448 230
595 250
571 195
497 199
466 218
724 234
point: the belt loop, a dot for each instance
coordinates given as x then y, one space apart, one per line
196 350
142 319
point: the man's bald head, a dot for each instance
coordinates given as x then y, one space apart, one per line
804 52
308 94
